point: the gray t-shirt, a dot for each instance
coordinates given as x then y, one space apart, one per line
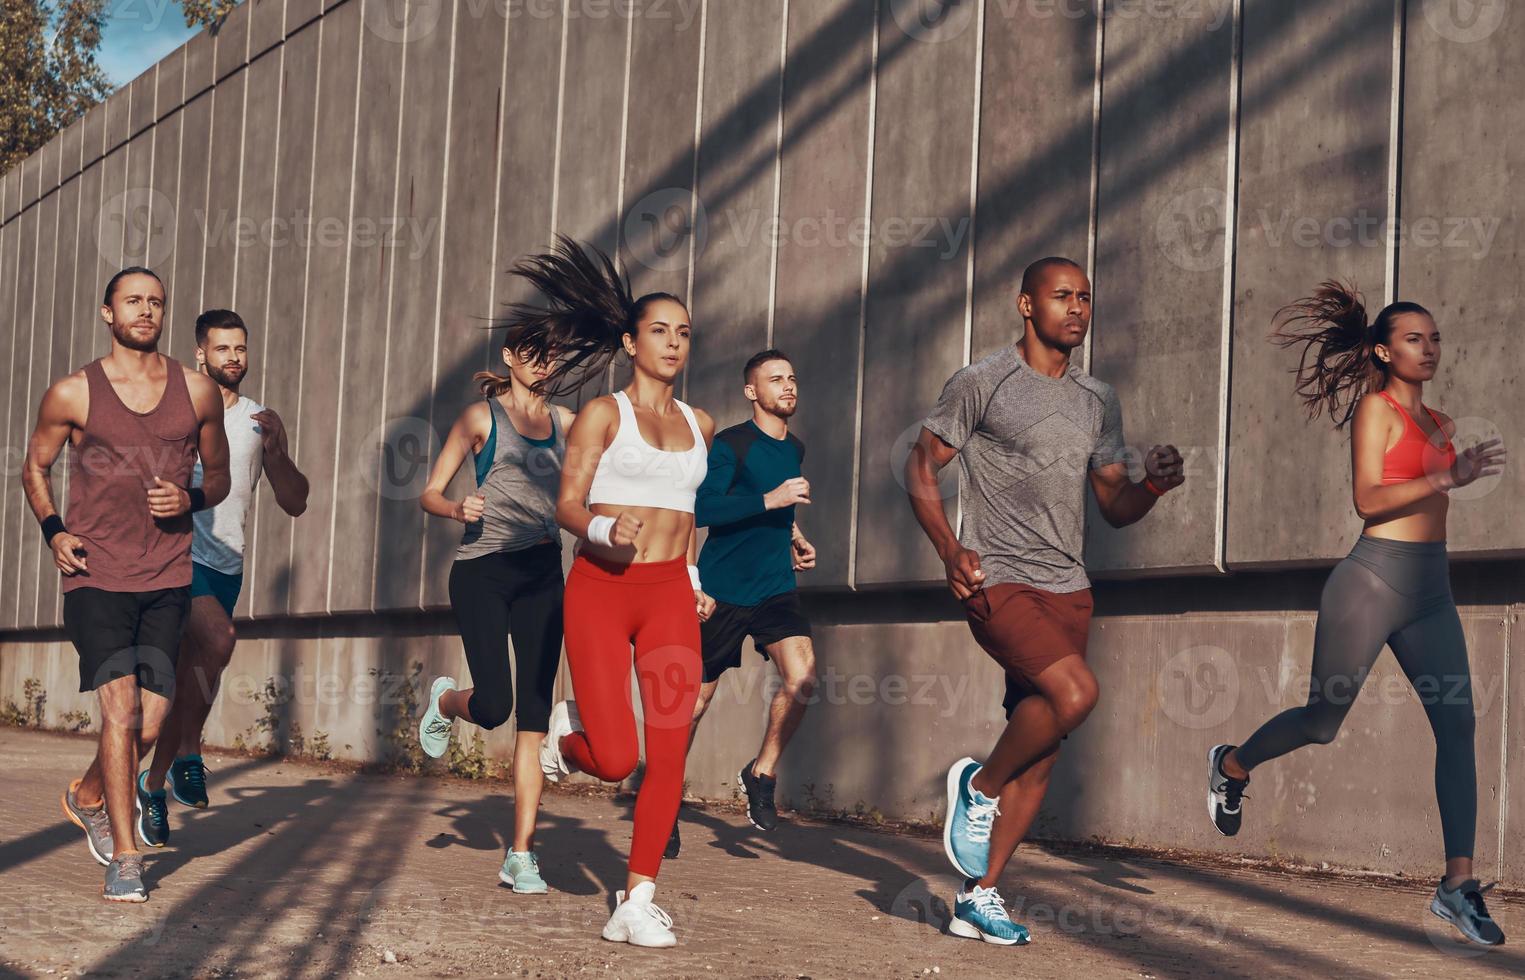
1026 443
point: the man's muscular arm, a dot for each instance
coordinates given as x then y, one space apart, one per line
64 408
212 444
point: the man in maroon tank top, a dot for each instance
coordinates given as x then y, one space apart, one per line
135 422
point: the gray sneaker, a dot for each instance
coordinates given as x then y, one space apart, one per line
93 821
1464 909
124 879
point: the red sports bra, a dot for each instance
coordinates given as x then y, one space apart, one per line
1413 455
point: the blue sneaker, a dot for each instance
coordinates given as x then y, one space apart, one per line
187 779
979 913
966 829
521 869
434 727
153 814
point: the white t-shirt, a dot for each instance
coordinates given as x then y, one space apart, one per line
219 539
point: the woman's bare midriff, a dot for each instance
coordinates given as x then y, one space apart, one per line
1422 521
664 535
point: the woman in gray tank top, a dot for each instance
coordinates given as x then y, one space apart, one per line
506 579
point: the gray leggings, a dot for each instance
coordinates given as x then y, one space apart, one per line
1396 593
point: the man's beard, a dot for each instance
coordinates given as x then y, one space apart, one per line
124 337
219 376
782 410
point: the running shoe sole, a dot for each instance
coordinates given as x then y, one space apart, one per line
134 898
89 841
1445 913
966 930
955 771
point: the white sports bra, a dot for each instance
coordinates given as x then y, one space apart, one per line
633 473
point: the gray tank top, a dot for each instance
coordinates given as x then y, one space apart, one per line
520 479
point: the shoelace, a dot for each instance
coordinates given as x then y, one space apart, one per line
100 821
158 808
129 866
439 726
655 911
1475 899
981 819
987 901
1233 793
196 776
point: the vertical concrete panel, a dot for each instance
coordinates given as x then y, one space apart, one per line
232 51
72 143
738 183
413 314
134 210
191 228
161 208
89 333
823 181
143 91
16 578
918 268
45 277
1313 169
315 429
1165 116
199 52
593 109
111 228
472 148
170 84
9 338
47 175
266 25
1034 157
374 214
302 13
278 367
60 321
219 288
31 171
118 117
7 193
1463 220
1510 832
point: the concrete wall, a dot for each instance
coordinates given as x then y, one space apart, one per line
859 182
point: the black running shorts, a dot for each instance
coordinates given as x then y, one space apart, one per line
775 618
127 634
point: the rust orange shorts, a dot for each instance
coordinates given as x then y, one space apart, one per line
1026 630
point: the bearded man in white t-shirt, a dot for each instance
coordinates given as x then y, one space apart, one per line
256 443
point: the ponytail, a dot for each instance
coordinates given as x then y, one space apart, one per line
1338 363
588 310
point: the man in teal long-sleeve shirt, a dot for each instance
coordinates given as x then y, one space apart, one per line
748 564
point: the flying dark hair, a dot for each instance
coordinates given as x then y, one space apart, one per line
588 310
215 320
759 359
1338 363
132 270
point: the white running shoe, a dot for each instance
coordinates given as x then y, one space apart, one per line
564 721
434 728
638 922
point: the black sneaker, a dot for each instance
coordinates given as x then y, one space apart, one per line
188 781
674 843
153 814
1463 907
1224 793
760 808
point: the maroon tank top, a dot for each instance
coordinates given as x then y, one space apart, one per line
111 469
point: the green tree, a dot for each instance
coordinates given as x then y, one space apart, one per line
206 13
48 72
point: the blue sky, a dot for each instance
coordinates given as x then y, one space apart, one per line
137 34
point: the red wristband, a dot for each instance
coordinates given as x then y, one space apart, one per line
1148 484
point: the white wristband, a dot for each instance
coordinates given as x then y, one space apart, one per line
601 531
693 576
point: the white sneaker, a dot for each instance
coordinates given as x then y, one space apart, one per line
638 922
564 721
434 728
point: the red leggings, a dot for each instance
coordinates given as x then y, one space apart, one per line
609 607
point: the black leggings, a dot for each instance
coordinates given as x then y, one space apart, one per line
516 592
1396 593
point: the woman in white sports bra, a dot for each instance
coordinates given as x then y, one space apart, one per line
634 462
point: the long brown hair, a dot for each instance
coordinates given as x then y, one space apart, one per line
588 311
1338 363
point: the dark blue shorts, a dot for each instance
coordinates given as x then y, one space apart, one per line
221 586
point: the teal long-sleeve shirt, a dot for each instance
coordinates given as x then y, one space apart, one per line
747 556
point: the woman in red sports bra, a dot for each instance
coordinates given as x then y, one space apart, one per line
634 461
1394 587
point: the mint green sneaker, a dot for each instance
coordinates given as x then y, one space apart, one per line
434 727
521 869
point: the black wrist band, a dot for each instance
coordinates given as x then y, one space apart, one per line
198 499
52 526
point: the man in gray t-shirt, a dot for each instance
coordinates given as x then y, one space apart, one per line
1030 431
